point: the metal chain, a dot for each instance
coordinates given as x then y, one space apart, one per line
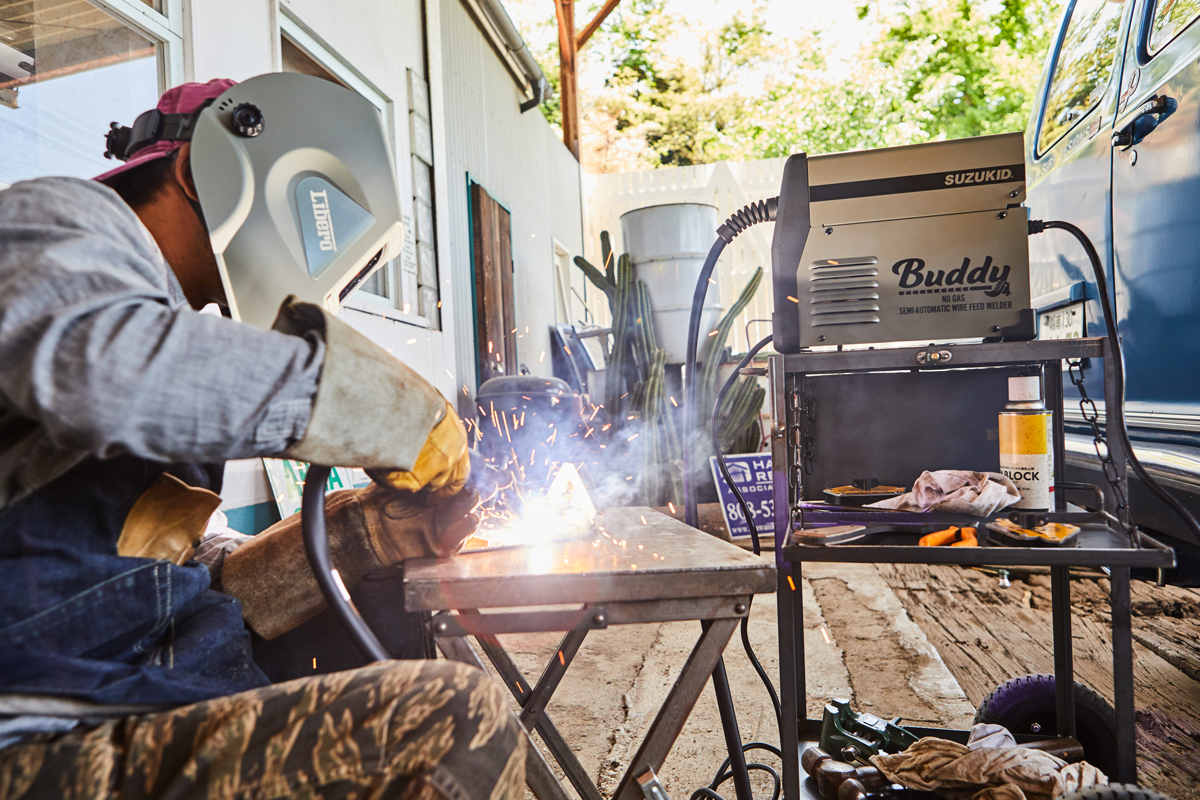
1091 415
810 432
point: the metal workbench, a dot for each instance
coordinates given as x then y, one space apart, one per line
640 567
901 410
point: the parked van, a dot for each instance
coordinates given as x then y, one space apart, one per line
1113 146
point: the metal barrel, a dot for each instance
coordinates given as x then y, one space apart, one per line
667 245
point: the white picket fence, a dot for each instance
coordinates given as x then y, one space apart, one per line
728 185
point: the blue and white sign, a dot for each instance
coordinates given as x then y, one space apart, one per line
752 474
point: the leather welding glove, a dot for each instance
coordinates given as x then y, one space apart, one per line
373 411
368 529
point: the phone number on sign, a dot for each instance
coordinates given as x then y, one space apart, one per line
763 509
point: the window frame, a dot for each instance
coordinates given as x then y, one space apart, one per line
163 28
304 39
1038 150
1144 53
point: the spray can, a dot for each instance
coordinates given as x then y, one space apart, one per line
1027 444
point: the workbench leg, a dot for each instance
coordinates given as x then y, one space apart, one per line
1122 645
562 751
678 705
733 736
792 693
1064 664
538 775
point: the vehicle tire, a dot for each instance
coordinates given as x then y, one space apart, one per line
1027 705
1116 791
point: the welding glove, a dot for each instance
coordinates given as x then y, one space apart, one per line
373 411
368 529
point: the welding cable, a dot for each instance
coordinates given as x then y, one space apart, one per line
724 773
316 547
715 433
1110 324
762 211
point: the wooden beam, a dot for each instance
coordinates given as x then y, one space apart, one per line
591 27
568 86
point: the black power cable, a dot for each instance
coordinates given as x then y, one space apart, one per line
762 211
1110 325
737 493
316 547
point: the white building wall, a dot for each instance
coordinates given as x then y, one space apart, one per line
521 163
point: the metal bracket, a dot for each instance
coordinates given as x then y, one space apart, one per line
934 356
652 788
445 623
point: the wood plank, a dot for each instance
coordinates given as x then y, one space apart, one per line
568 94
987 634
489 318
504 275
595 24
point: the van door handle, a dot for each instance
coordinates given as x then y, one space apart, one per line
1149 115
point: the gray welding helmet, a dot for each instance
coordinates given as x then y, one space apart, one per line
298 188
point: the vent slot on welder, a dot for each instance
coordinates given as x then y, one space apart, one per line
843 291
856 261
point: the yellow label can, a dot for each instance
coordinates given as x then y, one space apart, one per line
1027 456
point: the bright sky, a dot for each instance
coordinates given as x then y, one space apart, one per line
837 19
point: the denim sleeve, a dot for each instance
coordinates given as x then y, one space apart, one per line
99 349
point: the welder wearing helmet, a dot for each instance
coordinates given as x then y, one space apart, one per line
123 672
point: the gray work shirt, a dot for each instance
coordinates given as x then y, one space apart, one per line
100 354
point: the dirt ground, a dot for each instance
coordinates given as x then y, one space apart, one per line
921 643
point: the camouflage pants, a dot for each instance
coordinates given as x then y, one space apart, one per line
419 730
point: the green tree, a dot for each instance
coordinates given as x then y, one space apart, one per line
935 69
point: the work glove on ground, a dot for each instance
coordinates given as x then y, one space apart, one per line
373 411
368 529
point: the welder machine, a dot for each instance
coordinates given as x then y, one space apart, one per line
904 335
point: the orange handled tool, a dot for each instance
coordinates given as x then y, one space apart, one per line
953 536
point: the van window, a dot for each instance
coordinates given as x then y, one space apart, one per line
1170 17
1082 68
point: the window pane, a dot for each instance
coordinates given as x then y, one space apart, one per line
296 60
67 69
1170 17
1083 67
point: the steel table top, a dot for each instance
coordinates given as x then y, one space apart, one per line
637 554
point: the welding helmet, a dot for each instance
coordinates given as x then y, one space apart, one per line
297 186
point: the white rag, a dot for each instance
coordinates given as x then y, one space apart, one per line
958 491
962 772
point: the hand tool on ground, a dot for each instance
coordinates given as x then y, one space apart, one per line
952 536
859 736
852 789
1065 747
830 773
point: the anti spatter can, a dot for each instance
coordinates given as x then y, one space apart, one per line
1026 443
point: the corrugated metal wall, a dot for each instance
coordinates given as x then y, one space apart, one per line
521 163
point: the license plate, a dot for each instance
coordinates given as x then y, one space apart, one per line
1062 323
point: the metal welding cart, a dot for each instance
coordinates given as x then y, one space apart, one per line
893 412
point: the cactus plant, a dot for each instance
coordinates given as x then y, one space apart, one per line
636 363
